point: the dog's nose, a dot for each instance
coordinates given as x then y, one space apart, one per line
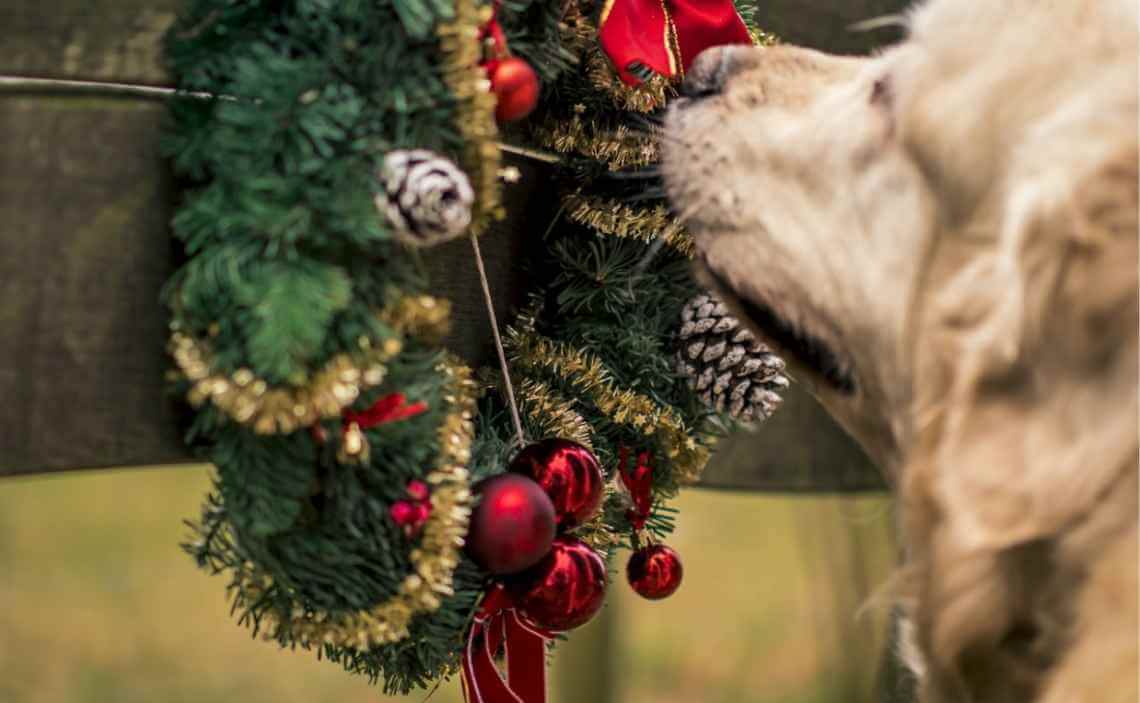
709 72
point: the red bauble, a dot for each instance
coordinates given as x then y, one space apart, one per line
515 85
565 589
512 526
655 571
570 475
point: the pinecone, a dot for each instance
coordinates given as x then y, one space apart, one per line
731 370
426 197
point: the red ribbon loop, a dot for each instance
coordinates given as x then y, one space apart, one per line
500 625
390 408
639 482
666 35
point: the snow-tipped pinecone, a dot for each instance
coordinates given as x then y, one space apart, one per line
725 364
426 197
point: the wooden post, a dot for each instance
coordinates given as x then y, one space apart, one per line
588 666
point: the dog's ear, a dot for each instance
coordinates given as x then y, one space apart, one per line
1038 344
1026 420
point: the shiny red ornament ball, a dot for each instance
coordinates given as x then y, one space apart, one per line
655 572
565 589
570 475
512 527
515 85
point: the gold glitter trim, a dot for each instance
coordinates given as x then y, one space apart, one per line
672 47
618 148
475 118
434 559
762 38
424 317
533 352
251 401
613 217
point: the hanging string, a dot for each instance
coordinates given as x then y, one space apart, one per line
56 86
498 342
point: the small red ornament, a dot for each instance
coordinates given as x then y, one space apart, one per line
565 589
403 513
570 475
515 85
418 490
655 571
513 525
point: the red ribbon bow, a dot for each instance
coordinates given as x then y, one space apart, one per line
389 408
500 625
666 35
639 482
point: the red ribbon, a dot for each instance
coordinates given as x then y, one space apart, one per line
498 45
390 408
500 625
666 35
639 482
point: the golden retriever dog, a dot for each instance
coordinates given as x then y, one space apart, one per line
943 238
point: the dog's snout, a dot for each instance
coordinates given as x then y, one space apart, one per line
709 72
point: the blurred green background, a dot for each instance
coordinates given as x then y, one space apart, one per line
98 604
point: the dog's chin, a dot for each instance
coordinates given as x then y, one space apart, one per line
804 348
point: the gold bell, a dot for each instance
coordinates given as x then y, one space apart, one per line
353 446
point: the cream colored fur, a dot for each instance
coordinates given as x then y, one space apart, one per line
957 218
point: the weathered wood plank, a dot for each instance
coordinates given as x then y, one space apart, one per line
800 449
84 252
85 248
116 40
826 24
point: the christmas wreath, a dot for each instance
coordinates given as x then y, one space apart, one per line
375 500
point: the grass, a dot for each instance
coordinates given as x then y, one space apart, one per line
98 604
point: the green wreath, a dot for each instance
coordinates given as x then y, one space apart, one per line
301 308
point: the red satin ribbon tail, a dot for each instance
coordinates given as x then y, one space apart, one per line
482 682
526 660
524 648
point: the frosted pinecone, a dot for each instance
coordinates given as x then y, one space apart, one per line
426 198
725 364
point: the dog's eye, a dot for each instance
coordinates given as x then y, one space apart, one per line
881 93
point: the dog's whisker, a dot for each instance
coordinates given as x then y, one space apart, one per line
656 193
649 122
647 173
654 249
880 22
693 208
659 135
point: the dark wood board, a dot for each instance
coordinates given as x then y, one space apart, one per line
85 202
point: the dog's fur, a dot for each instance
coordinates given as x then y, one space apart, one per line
947 234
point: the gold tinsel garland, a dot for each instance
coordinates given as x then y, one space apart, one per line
532 351
266 409
618 147
551 415
613 217
475 107
434 558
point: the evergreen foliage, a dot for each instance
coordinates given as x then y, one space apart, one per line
289 262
